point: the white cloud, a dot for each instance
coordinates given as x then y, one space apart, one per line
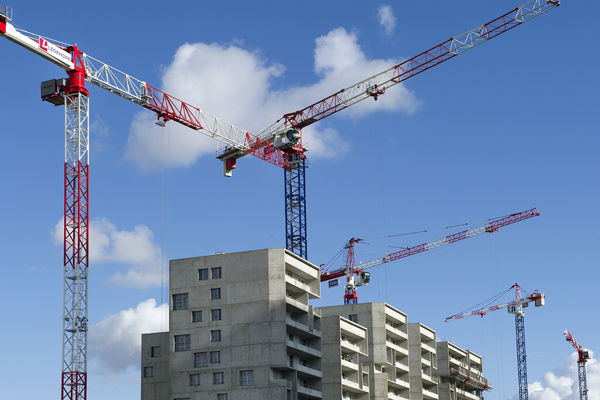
115 341
135 247
387 19
236 84
562 383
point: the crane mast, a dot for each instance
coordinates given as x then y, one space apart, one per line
514 307
583 355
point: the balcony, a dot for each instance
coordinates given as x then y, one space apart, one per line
396 346
299 283
401 366
296 304
348 345
429 379
303 349
429 395
309 391
349 365
395 331
463 395
399 383
308 370
427 347
302 328
353 386
396 396
458 362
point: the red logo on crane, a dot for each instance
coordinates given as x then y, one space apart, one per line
43 44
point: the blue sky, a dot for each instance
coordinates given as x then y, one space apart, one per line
508 126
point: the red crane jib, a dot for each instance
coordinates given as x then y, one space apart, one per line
490 227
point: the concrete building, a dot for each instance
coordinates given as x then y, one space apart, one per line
240 327
345 349
388 347
460 372
422 362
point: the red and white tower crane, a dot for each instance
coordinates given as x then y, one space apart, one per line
357 276
514 307
286 133
583 355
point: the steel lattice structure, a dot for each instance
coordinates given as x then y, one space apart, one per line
521 355
295 201
583 355
76 246
514 307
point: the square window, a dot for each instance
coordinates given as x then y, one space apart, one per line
246 378
182 342
216 272
203 274
215 357
222 396
218 378
353 317
148 372
196 316
200 360
215 315
215 293
195 380
155 351
180 301
215 336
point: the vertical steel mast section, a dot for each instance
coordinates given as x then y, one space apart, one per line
583 355
76 231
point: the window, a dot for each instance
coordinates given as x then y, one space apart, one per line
222 396
196 316
182 342
155 351
215 315
200 360
215 293
216 272
180 301
148 372
195 380
203 274
218 378
353 317
246 378
215 336
215 357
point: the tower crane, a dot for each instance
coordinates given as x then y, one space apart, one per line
280 144
357 276
286 133
514 307
583 355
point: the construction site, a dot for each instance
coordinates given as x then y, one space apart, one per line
426 244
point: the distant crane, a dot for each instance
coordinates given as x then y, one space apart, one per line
583 357
357 276
514 307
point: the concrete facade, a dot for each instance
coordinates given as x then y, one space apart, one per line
345 350
422 362
460 372
388 348
240 327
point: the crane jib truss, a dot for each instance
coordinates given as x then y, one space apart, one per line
489 227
